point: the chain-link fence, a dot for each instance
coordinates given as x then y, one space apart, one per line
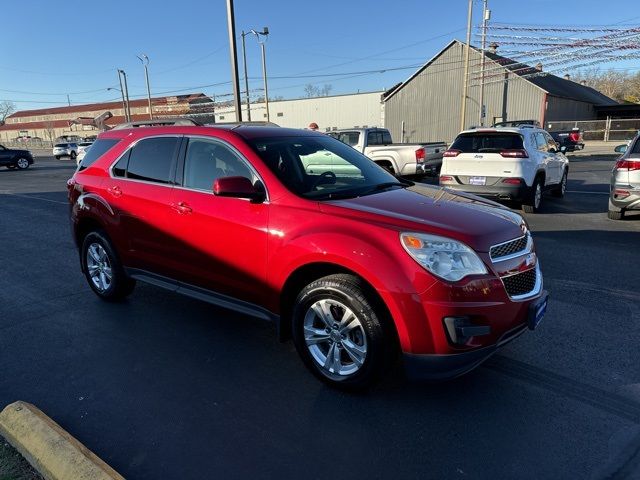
606 130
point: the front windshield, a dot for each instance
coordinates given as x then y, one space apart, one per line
321 167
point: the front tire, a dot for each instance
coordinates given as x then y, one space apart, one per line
561 189
340 334
102 268
22 163
534 200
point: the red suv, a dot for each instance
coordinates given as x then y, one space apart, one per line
297 227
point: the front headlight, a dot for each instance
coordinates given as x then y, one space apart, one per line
444 257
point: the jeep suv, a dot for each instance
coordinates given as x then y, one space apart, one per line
352 263
516 164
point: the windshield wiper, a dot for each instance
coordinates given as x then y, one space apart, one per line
385 185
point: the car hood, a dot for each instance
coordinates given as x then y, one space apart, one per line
475 221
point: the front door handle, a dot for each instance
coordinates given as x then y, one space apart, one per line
115 191
181 207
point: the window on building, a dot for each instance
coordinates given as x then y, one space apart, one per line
151 159
280 114
221 117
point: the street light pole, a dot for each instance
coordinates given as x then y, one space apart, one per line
264 33
486 16
246 78
465 86
231 26
126 94
145 62
124 101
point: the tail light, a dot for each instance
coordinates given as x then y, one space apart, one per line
512 181
420 155
451 153
574 137
446 178
517 153
621 193
628 165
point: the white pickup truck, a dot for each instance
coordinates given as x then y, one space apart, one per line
398 158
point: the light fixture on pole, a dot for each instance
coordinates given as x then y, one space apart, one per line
145 62
246 78
264 33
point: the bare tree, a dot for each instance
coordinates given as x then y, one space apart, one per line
311 90
326 90
50 130
6 109
614 84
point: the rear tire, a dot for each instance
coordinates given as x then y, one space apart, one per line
73 155
22 163
534 201
102 268
387 166
340 332
57 157
615 213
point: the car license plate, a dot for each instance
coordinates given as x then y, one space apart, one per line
477 180
537 311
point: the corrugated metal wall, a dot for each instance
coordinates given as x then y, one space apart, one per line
566 109
430 103
339 111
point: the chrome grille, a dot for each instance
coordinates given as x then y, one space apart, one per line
520 283
509 248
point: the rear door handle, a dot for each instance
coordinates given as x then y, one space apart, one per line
115 191
181 207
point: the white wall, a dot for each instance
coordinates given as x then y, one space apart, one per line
340 111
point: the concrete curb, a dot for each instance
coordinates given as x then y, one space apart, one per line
48 448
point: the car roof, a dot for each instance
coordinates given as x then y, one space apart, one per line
245 131
519 130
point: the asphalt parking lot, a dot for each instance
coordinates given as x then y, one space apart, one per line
164 386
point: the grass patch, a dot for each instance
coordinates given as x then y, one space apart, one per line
13 466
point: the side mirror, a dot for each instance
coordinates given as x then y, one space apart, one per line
238 187
563 149
620 149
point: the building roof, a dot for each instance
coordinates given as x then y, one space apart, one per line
191 97
551 84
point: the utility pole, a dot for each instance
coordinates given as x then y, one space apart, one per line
124 100
264 33
125 92
68 100
246 78
465 86
486 16
231 26
145 62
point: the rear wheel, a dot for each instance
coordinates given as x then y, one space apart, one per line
73 155
57 157
561 189
102 268
339 334
534 200
22 163
387 166
615 213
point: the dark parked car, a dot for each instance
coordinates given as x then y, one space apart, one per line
570 139
11 159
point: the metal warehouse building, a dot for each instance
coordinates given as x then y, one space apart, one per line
330 113
429 102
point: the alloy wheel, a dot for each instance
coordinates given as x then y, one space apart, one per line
99 267
335 338
23 163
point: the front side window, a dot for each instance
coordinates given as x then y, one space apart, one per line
207 160
322 168
151 159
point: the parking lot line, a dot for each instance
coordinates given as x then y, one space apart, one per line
588 191
34 197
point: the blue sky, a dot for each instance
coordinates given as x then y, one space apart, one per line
52 48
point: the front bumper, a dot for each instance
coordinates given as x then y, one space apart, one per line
445 366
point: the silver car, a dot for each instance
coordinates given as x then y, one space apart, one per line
65 150
625 180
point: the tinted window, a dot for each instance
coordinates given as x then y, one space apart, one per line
374 138
386 138
120 168
636 146
487 142
208 160
151 159
99 148
62 145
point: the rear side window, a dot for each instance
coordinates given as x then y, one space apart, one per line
99 148
62 145
152 159
487 142
350 138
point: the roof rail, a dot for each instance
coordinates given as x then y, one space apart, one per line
159 122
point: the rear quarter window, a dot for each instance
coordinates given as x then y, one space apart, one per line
487 142
99 148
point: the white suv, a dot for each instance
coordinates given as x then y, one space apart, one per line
65 150
516 164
